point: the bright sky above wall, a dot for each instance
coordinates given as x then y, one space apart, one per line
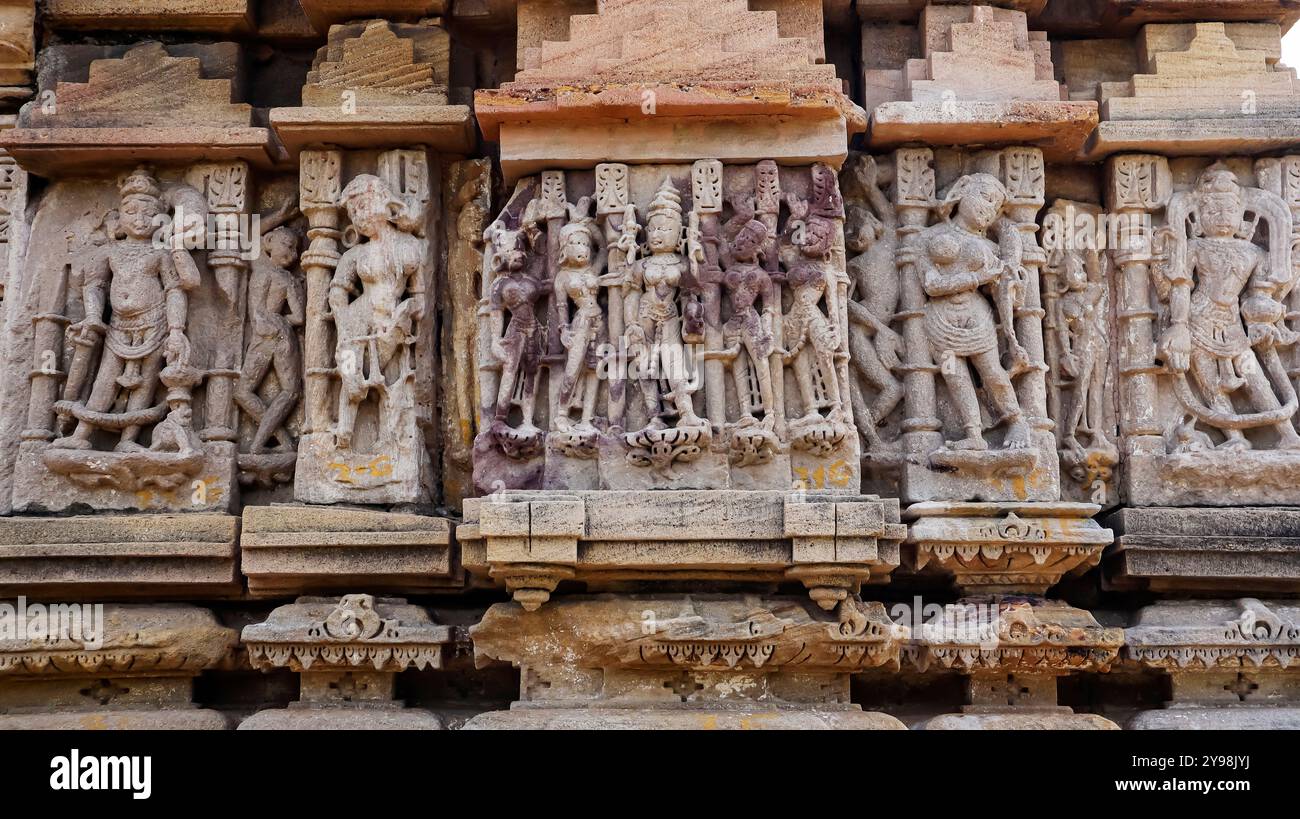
1291 47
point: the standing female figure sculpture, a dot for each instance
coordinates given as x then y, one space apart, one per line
812 337
656 338
376 298
578 281
956 260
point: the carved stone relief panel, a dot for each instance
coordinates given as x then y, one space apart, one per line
970 265
1208 353
1078 322
126 406
667 327
369 341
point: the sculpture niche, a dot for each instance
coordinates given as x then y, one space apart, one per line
661 342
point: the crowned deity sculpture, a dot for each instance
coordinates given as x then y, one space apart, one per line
143 278
657 340
1226 316
814 343
578 281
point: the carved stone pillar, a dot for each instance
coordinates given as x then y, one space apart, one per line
319 184
1139 184
914 192
226 187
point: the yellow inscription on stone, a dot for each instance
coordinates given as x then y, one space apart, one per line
380 467
837 474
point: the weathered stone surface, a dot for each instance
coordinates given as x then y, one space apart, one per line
695 661
533 540
369 348
1004 548
127 666
966 299
629 719
217 16
1224 550
297 549
1018 722
137 556
325 13
130 327
147 104
354 631
467 203
1232 664
1201 88
980 77
614 88
1010 652
275 315
1110 17
347 651
1193 432
18 46
378 84
720 363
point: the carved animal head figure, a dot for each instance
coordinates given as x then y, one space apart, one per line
508 244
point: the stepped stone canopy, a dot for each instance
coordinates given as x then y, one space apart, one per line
669 81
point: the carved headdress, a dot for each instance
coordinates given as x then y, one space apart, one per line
667 201
140 182
965 186
826 199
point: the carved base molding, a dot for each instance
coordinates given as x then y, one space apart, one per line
687 661
131 669
49 480
123 557
1010 652
1037 721
1241 550
292 549
1003 548
1232 664
1211 477
531 541
684 719
347 652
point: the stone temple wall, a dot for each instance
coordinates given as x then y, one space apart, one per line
649 363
